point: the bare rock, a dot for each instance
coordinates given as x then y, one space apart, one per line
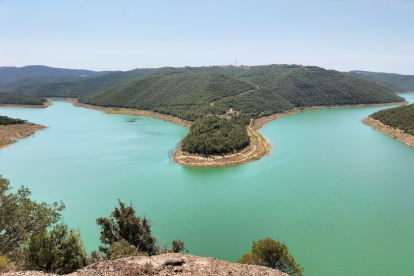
165 265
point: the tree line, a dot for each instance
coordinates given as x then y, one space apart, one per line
4 121
401 117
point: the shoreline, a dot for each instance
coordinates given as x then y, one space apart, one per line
406 92
395 133
259 146
10 133
45 105
130 111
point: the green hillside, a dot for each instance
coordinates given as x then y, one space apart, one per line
25 85
75 89
187 96
306 86
8 74
401 117
314 86
394 82
17 98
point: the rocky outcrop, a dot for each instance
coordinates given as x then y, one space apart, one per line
166 264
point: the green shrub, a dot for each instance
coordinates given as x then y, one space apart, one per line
274 254
59 251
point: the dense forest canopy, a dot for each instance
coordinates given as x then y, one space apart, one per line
394 82
4 121
214 135
184 95
401 117
22 99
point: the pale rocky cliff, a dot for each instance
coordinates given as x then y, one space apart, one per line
166 264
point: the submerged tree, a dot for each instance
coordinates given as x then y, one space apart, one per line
274 254
123 224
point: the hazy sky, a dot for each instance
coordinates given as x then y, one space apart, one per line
373 35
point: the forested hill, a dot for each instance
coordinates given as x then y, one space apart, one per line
20 99
401 117
75 89
185 95
306 86
24 85
8 74
314 86
394 82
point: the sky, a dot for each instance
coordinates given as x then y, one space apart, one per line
122 35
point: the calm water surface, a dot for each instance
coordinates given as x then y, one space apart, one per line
339 193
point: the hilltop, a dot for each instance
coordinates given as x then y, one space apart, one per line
394 82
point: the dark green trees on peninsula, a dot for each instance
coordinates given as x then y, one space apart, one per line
214 135
401 117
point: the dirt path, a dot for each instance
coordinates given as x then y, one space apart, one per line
257 87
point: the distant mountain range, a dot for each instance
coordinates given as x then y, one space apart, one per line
8 74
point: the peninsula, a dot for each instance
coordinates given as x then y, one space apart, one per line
12 129
396 122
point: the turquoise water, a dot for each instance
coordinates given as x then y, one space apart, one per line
339 193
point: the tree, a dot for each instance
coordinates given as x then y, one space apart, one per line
21 217
274 254
59 251
122 249
177 246
123 224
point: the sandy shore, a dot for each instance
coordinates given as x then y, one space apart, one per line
258 148
130 111
395 133
45 105
9 133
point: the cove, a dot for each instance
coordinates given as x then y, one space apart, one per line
336 191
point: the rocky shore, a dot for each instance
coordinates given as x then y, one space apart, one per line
390 131
9 133
165 265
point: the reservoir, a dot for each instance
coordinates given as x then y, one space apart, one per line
337 192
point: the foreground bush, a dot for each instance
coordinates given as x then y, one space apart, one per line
59 251
274 254
21 217
123 224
